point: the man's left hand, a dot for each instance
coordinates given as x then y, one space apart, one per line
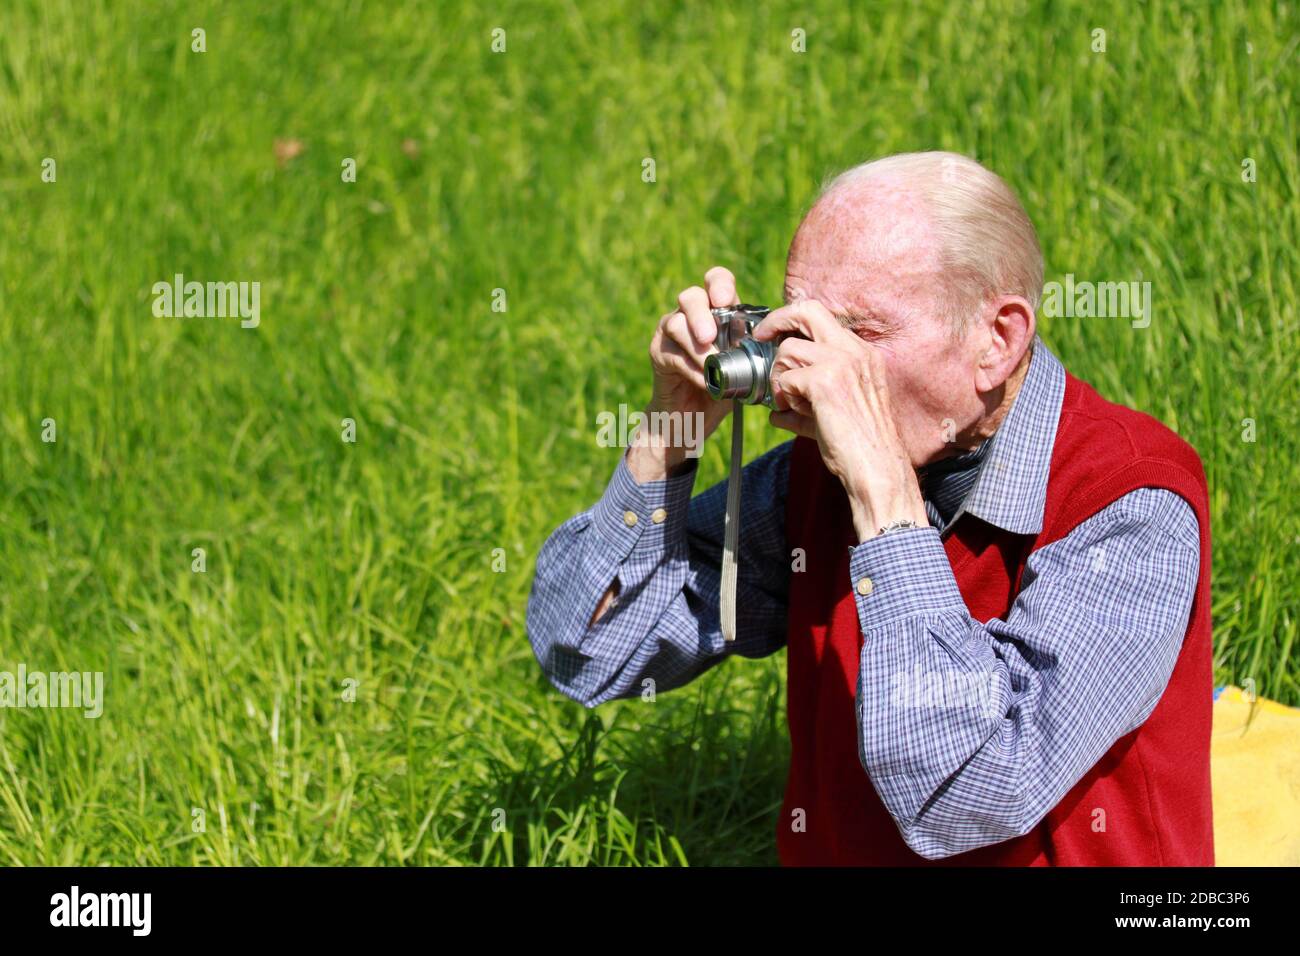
829 385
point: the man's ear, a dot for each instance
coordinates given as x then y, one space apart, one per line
1009 331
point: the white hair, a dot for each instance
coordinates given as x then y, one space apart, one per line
988 245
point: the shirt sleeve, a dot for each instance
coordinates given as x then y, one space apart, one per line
662 549
971 732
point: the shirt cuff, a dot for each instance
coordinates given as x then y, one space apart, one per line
632 517
900 574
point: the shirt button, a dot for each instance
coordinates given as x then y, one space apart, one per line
629 518
865 586
658 516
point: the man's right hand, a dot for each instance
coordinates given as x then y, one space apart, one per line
681 343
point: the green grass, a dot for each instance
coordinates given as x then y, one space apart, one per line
476 430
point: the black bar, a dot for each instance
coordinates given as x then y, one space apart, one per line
557 908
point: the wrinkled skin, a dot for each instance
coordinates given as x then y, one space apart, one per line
867 365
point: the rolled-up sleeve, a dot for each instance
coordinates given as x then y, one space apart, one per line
971 732
661 550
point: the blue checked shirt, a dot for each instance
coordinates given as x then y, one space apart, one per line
971 731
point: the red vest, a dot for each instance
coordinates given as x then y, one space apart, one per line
1153 784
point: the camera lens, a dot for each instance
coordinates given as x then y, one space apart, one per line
739 373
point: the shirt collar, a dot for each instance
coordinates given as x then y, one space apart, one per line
1011 489
946 483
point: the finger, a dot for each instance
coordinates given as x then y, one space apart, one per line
671 358
721 285
792 386
789 395
792 354
677 328
797 353
807 318
792 421
694 304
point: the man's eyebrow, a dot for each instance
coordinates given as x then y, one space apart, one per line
865 320
852 317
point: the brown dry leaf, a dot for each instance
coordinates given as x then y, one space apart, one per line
410 147
287 150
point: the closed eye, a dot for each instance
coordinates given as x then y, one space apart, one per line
866 325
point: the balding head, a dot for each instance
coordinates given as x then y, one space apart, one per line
941 219
931 259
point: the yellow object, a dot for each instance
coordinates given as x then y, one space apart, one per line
1255 767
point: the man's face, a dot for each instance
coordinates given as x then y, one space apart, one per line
872 260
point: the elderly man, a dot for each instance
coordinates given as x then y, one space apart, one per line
993 586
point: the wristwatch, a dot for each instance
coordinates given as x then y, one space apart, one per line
897 526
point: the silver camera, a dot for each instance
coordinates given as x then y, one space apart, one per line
741 368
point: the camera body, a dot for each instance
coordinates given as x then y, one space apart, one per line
741 369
